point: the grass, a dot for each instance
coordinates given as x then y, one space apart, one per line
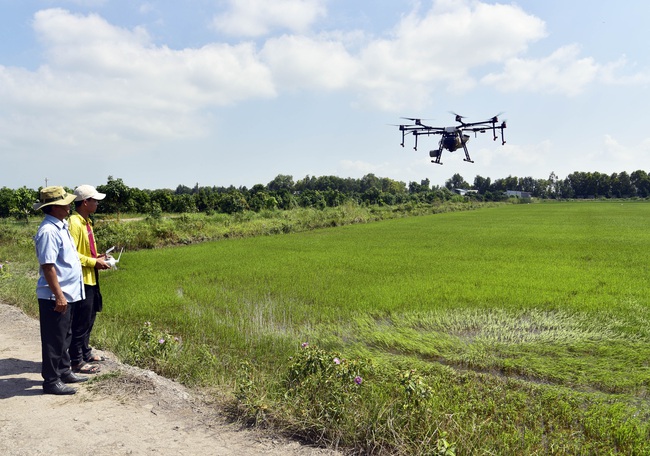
517 329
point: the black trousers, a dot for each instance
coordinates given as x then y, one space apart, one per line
83 320
55 340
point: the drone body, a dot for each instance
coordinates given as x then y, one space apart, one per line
112 262
451 138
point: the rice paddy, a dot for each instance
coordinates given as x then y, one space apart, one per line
528 324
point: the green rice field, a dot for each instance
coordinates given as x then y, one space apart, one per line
550 299
515 329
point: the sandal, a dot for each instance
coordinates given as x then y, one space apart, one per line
93 358
85 368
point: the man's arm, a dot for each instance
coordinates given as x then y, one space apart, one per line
49 273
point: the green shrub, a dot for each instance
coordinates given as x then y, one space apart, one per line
153 348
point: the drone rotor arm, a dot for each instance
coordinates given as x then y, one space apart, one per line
426 130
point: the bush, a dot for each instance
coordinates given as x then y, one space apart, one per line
153 348
336 401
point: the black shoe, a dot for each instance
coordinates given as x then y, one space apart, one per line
71 377
59 389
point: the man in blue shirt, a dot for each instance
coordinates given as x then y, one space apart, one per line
59 287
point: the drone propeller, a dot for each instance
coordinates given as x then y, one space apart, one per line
495 119
416 120
413 119
459 118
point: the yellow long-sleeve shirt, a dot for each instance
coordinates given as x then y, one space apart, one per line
79 233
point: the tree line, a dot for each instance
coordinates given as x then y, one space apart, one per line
284 193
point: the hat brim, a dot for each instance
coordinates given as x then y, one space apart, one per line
96 196
68 199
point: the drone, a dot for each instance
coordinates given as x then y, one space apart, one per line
112 262
452 138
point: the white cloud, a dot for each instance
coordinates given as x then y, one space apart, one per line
562 72
533 154
612 149
254 18
102 84
424 53
299 62
88 46
439 49
609 74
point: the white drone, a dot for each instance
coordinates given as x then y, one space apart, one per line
112 262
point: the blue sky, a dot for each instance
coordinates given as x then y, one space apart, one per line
235 92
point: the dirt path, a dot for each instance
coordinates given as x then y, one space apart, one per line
137 413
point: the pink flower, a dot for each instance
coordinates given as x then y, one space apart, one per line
337 361
161 341
305 345
358 380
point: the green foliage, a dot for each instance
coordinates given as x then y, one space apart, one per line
326 398
156 230
19 263
155 211
23 200
118 196
282 193
153 348
233 202
327 384
416 389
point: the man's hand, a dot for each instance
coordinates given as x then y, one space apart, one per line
61 305
102 264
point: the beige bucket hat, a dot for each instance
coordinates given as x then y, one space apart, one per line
53 196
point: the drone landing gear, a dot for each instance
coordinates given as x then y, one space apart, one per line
467 159
436 155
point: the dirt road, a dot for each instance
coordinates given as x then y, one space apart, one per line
136 414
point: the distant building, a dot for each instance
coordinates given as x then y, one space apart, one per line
464 191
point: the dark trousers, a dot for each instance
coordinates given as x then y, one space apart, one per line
83 320
55 340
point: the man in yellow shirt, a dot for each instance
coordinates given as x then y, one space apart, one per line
86 201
